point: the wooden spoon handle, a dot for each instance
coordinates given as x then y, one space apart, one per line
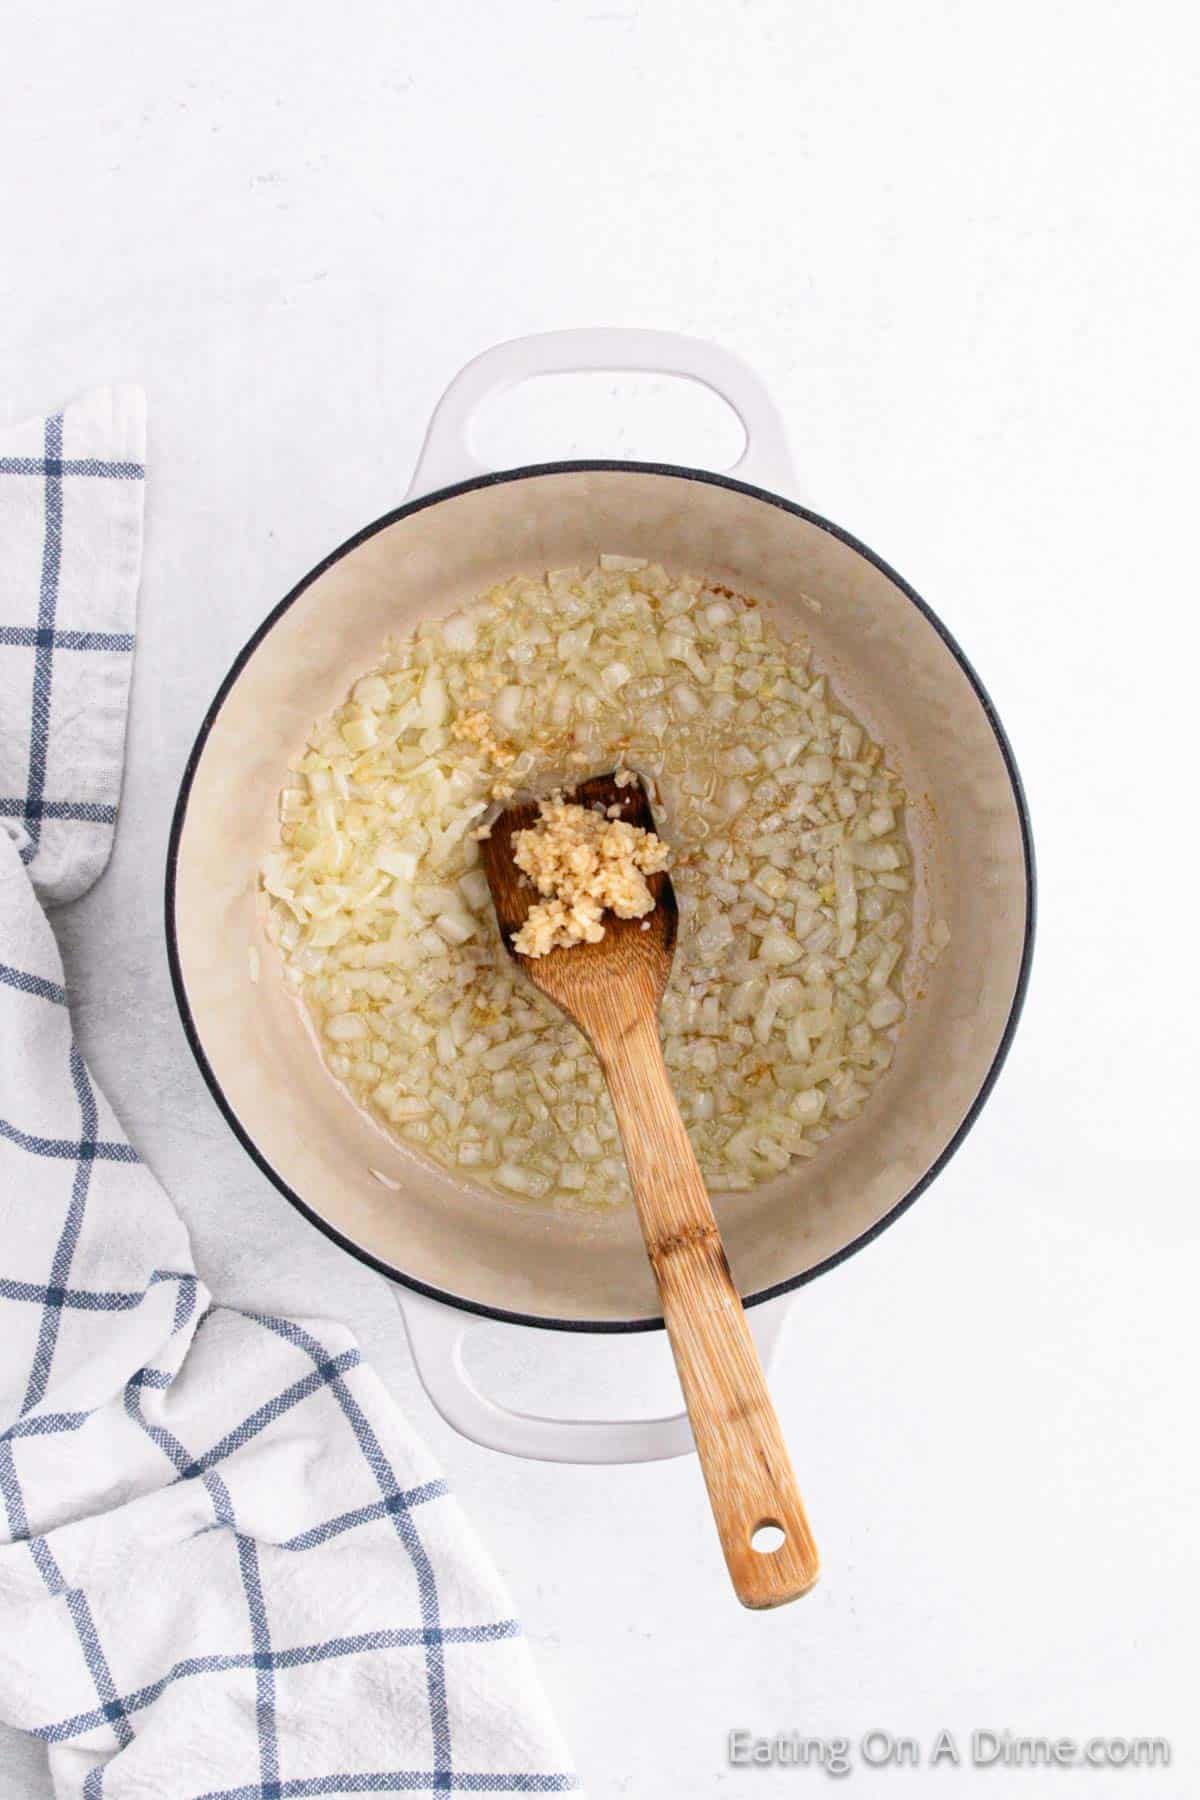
742 1453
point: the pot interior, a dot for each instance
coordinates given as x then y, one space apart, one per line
891 666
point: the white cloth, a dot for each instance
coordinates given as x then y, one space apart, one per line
227 1568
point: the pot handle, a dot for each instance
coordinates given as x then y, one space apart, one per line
436 1336
446 455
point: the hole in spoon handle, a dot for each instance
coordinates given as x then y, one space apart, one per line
760 1517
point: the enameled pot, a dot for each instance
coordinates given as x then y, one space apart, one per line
898 669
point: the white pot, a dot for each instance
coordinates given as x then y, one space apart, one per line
457 1249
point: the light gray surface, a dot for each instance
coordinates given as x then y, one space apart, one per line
952 241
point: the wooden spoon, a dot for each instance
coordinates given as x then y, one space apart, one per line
611 990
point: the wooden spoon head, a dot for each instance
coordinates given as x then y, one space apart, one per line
634 955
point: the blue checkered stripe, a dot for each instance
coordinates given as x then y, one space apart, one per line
234 1486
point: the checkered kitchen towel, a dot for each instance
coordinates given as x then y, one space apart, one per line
227 1568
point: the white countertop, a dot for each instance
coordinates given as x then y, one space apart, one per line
952 240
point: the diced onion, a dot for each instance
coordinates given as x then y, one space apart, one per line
432 703
778 947
790 867
458 632
508 706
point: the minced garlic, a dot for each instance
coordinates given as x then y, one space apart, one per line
583 863
477 728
